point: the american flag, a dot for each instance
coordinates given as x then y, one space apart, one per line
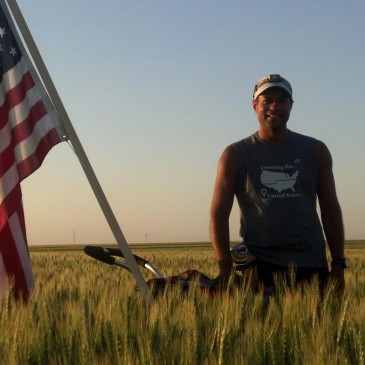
29 128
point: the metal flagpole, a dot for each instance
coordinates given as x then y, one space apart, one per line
76 144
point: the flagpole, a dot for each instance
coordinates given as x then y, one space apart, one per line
79 151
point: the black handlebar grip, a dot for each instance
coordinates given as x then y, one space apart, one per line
117 252
105 255
100 254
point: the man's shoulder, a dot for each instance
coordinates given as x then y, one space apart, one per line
298 138
299 135
304 137
245 142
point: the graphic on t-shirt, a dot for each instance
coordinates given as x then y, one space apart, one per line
279 181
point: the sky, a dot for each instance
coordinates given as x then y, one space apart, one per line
157 89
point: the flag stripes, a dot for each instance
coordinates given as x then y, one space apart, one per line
29 128
14 251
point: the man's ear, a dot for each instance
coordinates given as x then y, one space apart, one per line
254 104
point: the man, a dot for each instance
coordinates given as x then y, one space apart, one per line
276 176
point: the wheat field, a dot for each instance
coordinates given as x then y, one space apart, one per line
87 312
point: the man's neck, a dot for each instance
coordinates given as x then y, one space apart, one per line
273 136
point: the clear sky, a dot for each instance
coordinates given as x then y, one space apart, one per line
157 89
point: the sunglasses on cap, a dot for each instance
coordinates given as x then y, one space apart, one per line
269 81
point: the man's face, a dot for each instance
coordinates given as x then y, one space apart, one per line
273 108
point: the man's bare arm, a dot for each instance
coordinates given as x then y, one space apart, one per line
222 202
330 209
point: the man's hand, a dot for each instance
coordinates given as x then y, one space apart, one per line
225 271
337 278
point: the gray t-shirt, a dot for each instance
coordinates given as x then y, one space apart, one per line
276 192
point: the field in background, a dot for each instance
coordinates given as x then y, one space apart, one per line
155 246
87 312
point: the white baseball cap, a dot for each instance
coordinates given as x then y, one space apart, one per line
270 81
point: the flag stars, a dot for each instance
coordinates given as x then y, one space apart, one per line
13 50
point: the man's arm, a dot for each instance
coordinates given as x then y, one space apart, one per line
222 202
330 210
